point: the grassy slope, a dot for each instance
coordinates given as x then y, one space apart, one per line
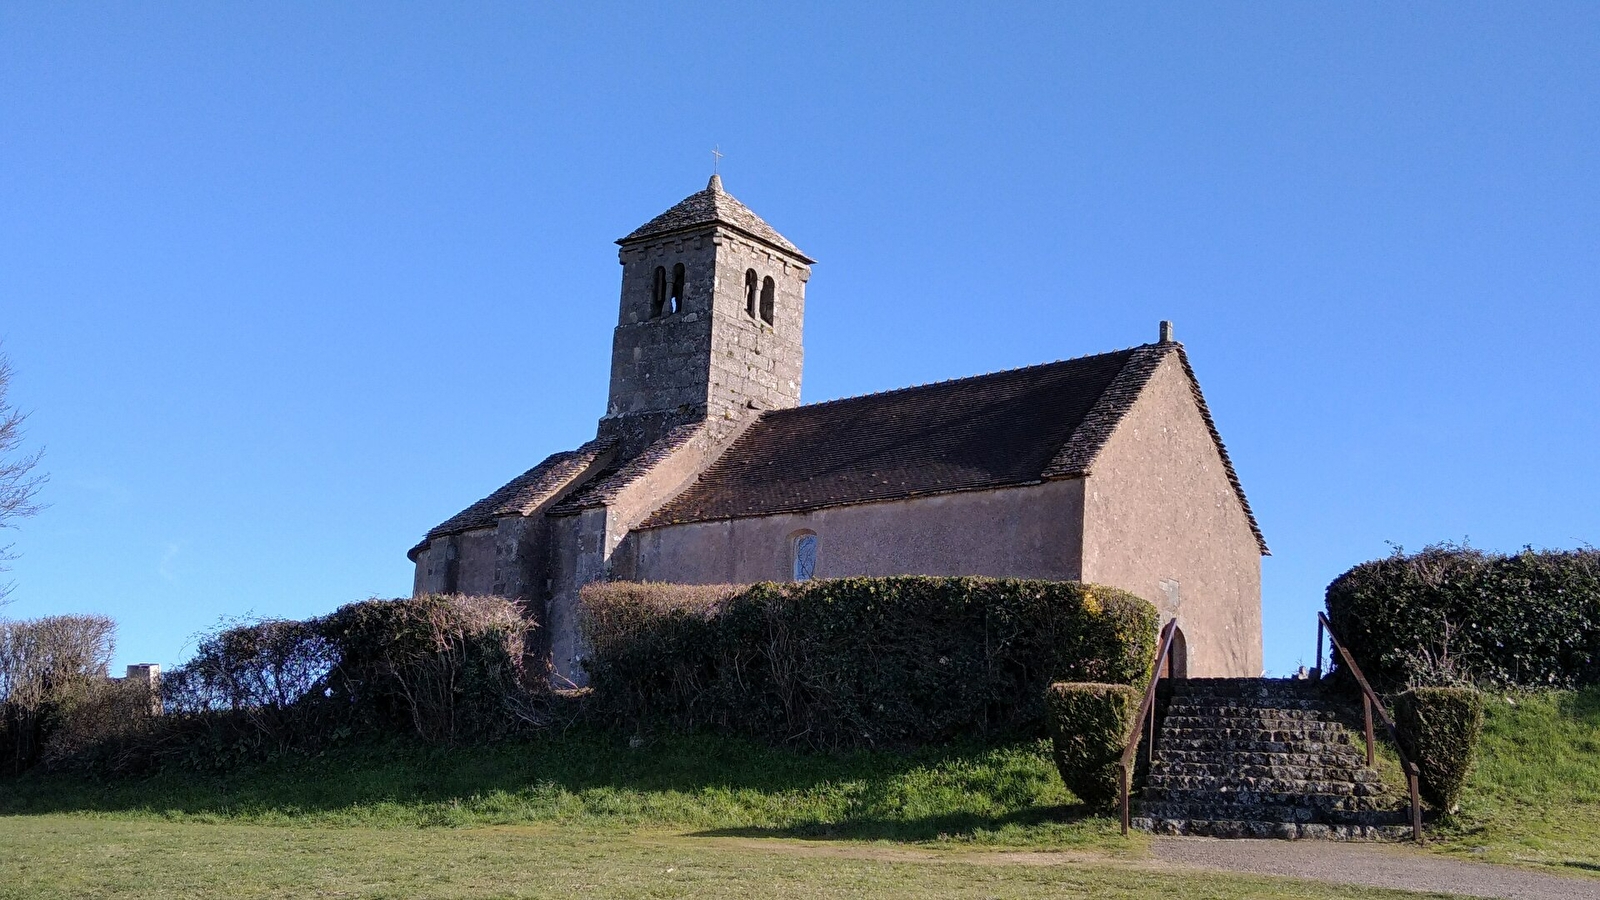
48 857
591 810
1534 798
688 817
1008 795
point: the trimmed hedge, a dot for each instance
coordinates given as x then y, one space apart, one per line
857 662
1441 727
1455 615
1089 728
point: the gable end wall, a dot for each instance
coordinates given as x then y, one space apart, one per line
1162 520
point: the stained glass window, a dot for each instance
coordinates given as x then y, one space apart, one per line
805 557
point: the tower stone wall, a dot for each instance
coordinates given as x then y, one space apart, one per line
713 354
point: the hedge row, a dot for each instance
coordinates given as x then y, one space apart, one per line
857 661
1455 615
442 669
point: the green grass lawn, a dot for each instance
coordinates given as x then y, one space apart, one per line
581 808
1534 798
44 857
1007 796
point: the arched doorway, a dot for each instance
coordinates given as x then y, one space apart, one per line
1177 665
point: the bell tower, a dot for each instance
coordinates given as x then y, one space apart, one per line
710 321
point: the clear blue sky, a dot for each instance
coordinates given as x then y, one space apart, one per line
287 284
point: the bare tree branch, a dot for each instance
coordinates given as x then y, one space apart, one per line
19 482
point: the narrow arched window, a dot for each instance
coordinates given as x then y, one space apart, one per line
658 294
677 288
750 291
804 555
767 291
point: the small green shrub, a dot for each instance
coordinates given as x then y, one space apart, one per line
1441 727
1089 728
857 662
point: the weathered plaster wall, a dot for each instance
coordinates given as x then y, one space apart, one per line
1162 520
1023 532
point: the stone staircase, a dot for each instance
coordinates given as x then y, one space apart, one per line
1262 757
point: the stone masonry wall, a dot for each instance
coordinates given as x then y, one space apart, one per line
710 360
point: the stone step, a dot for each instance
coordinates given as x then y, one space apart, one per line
1243 687
1326 811
1332 756
1320 801
1230 769
1249 713
1162 782
1322 732
1250 745
1251 757
1233 828
1212 701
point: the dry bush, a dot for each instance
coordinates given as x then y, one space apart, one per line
259 673
446 667
45 665
106 727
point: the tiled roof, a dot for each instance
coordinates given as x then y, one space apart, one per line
986 431
713 205
1005 428
605 485
523 494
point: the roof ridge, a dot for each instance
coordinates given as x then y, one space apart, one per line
713 205
1222 451
947 381
1082 447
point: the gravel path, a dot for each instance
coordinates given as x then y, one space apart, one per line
1373 865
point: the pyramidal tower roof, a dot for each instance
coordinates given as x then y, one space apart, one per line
714 205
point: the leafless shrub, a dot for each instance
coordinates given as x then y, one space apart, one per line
106 726
44 666
260 671
19 484
448 666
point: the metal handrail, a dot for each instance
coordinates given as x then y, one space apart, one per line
1369 703
1146 708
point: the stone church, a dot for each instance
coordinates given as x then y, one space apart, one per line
706 468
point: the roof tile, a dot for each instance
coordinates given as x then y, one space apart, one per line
713 205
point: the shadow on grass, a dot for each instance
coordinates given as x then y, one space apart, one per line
595 775
929 828
1582 706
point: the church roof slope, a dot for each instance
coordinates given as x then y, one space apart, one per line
523 494
714 205
990 430
1008 428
